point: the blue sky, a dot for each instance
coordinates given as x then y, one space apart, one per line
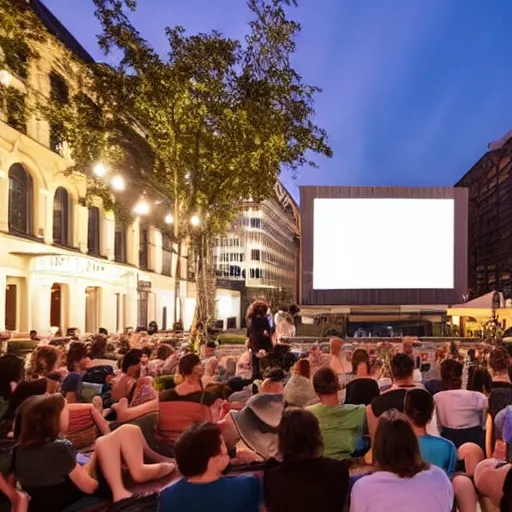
413 90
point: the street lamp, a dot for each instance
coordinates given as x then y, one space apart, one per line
99 170
169 219
195 220
118 183
141 208
5 78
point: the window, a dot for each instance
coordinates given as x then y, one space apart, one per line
255 255
15 109
166 255
120 242
59 93
143 249
255 223
93 231
21 196
61 216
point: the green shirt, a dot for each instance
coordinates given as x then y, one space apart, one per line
341 426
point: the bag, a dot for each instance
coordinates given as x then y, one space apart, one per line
141 503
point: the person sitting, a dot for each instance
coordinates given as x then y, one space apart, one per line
299 390
12 372
156 365
202 457
98 352
63 482
341 425
323 483
460 413
363 388
402 481
123 385
402 368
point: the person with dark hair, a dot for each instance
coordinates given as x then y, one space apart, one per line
123 384
299 390
362 389
202 456
77 357
501 386
323 483
419 409
402 481
156 365
33 335
260 342
45 362
152 328
103 331
63 482
341 425
460 413
402 369
12 371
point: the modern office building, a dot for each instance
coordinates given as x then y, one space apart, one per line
259 255
66 261
490 220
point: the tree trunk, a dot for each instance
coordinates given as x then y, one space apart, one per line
205 283
177 280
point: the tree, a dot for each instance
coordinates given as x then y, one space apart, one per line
215 119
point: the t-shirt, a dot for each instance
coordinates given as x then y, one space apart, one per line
427 491
323 485
392 399
460 408
500 397
43 473
237 494
361 391
341 427
438 451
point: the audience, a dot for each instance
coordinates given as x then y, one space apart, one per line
363 388
341 425
321 483
123 385
299 390
402 480
202 457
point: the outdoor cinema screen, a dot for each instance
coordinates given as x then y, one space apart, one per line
383 243
383 246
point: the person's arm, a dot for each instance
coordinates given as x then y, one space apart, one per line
81 478
126 414
489 429
100 421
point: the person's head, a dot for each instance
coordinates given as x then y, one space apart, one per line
402 367
294 310
130 365
12 371
78 357
335 345
44 360
499 361
209 350
451 374
256 309
472 354
395 447
361 362
153 327
164 351
407 346
33 335
303 368
190 368
73 333
419 407
299 435
98 347
201 449
103 331
42 420
273 381
326 382
480 380
24 390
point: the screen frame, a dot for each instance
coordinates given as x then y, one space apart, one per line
310 296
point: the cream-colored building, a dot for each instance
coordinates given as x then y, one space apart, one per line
64 263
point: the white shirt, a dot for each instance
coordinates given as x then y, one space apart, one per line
428 491
460 408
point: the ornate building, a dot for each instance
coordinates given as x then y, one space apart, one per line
490 220
259 256
64 261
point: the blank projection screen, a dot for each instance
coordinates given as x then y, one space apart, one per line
374 243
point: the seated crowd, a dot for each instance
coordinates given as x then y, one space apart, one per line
113 417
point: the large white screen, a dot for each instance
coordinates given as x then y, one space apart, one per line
383 244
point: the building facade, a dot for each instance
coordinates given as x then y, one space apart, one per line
64 261
259 255
490 220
